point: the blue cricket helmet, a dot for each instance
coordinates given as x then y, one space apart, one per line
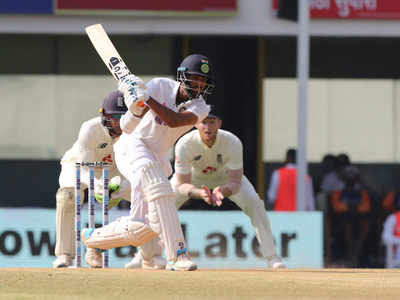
199 65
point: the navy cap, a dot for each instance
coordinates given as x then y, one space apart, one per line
196 64
114 104
213 113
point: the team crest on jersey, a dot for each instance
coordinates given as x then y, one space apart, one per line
219 158
102 146
197 157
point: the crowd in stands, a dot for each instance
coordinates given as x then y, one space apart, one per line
361 223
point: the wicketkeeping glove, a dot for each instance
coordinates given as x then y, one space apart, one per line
113 189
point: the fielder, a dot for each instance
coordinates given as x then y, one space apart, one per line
213 158
95 143
141 153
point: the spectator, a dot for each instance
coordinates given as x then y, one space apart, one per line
391 233
328 166
283 187
333 181
390 200
350 208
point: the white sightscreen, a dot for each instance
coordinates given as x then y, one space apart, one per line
357 116
42 114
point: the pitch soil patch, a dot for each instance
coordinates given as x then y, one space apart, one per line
113 284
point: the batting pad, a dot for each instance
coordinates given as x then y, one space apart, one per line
162 213
65 224
123 232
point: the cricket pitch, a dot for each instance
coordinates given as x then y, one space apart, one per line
113 284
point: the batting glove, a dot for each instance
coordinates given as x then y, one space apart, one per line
134 91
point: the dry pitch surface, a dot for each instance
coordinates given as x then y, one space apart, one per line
115 284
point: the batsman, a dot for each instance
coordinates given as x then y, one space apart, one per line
171 109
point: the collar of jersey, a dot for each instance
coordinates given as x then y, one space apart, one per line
108 136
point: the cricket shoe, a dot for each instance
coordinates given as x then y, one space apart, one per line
275 262
157 263
93 256
62 261
136 262
182 263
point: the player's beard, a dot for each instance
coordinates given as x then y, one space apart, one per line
182 95
209 137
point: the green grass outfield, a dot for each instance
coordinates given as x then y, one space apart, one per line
115 284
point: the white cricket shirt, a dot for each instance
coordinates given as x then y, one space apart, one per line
157 135
195 157
94 144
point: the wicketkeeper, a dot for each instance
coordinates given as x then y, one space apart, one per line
95 143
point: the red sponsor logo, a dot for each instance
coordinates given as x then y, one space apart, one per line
107 159
352 9
209 170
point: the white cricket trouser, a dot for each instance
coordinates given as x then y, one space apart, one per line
130 159
249 202
148 183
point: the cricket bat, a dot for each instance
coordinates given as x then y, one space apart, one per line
106 50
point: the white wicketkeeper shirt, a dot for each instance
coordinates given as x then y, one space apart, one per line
94 144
